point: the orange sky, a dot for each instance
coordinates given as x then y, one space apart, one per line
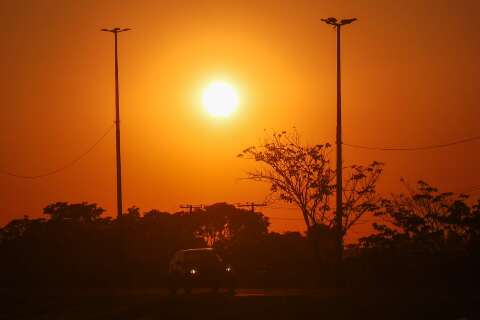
410 78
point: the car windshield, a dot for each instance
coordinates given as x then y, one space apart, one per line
202 258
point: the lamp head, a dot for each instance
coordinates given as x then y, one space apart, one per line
330 20
116 30
347 21
334 22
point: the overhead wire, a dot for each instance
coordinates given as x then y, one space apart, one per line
63 167
419 148
427 147
472 189
287 219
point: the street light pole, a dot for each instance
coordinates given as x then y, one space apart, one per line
339 199
115 32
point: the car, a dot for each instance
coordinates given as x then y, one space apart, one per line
200 268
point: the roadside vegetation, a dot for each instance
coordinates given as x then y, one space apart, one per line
421 237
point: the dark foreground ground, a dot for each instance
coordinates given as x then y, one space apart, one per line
246 304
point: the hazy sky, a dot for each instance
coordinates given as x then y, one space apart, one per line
410 78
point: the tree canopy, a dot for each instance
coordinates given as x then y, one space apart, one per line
301 174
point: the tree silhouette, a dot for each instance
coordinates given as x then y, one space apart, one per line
425 236
425 220
222 222
296 173
302 174
17 228
76 212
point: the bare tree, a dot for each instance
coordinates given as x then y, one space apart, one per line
302 175
296 173
359 193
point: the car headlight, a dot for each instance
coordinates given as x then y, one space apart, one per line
193 272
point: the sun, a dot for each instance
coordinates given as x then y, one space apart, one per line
220 99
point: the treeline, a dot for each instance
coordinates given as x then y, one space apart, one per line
421 238
74 245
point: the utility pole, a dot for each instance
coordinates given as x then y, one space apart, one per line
191 207
252 205
337 25
115 32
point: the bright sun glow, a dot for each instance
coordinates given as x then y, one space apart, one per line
220 99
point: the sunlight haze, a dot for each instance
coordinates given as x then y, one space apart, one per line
220 99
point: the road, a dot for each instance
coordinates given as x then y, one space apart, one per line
247 304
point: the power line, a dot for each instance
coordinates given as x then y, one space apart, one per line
427 147
65 166
472 189
287 219
252 205
190 207
283 208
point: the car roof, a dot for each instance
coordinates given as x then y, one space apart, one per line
196 250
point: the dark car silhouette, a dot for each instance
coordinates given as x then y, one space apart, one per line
200 268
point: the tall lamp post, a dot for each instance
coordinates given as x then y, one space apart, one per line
337 25
115 32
